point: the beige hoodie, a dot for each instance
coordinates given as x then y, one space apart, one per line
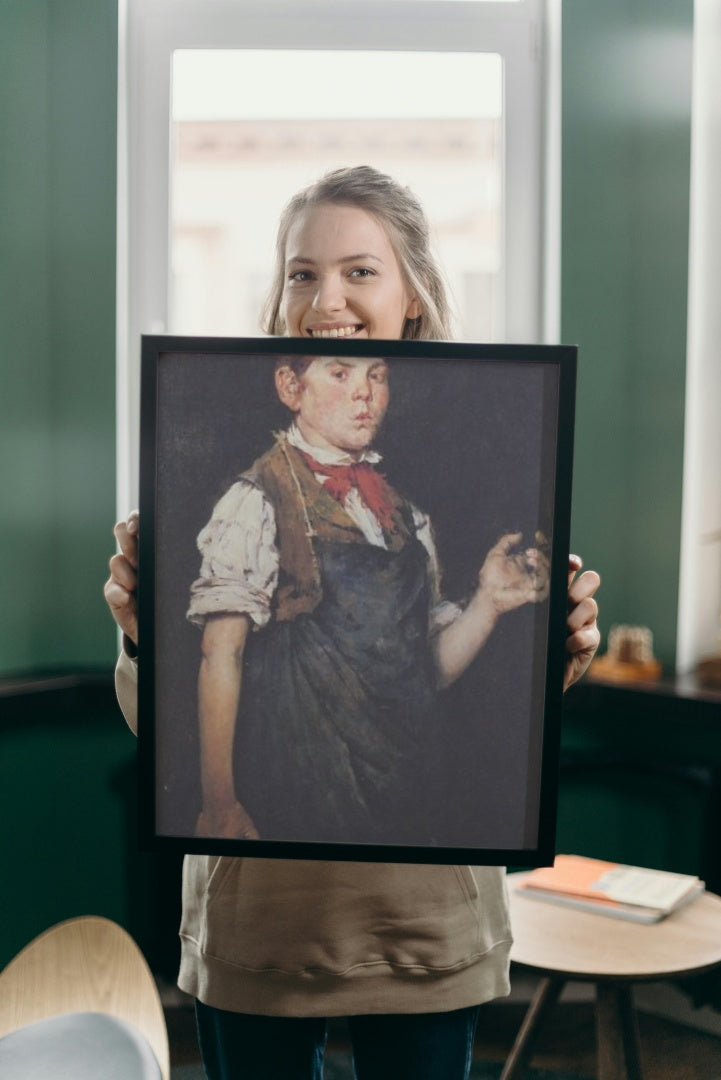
286 937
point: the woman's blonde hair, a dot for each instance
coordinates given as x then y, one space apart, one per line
403 217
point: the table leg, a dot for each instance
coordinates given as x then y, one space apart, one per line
545 997
617 1033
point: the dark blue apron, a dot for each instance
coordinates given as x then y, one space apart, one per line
338 720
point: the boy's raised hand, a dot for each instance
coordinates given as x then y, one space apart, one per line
120 589
511 577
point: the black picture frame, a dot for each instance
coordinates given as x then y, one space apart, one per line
481 438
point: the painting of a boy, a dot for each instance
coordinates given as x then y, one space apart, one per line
326 640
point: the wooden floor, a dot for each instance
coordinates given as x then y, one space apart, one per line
669 1051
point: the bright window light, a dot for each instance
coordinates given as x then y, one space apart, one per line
219 84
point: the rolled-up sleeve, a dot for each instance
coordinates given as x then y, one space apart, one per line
443 612
239 558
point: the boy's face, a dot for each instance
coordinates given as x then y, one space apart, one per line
342 277
339 402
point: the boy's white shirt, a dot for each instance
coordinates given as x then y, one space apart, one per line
239 570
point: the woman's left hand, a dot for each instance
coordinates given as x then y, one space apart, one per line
583 636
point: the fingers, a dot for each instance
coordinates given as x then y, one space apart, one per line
542 542
126 534
583 636
584 641
533 558
534 565
530 559
121 587
505 545
575 563
581 649
583 587
123 572
582 614
123 608
123 566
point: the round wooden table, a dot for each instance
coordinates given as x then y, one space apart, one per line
562 944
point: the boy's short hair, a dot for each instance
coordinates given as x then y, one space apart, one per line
297 364
402 216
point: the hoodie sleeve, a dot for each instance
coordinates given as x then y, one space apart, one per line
126 689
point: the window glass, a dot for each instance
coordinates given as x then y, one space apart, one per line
251 127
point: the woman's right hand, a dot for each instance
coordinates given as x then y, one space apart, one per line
229 823
121 587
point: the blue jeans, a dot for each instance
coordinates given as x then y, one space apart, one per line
415 1046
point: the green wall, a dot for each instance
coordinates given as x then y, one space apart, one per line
626 146
58 72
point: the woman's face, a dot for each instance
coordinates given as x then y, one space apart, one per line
342 277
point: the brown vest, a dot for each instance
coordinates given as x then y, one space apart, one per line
304 510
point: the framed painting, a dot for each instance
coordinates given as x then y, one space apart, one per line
352 597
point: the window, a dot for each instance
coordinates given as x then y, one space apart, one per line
235 161
227 107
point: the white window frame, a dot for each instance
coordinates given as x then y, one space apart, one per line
699 597
526 34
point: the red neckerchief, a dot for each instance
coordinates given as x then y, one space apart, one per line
338 480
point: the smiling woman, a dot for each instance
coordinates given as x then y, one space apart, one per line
332 292
353 259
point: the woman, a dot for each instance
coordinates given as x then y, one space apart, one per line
271 948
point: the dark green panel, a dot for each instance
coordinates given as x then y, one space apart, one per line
26 482
626 146
67 783
625 818
69 802
641 777
82 268
58 80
